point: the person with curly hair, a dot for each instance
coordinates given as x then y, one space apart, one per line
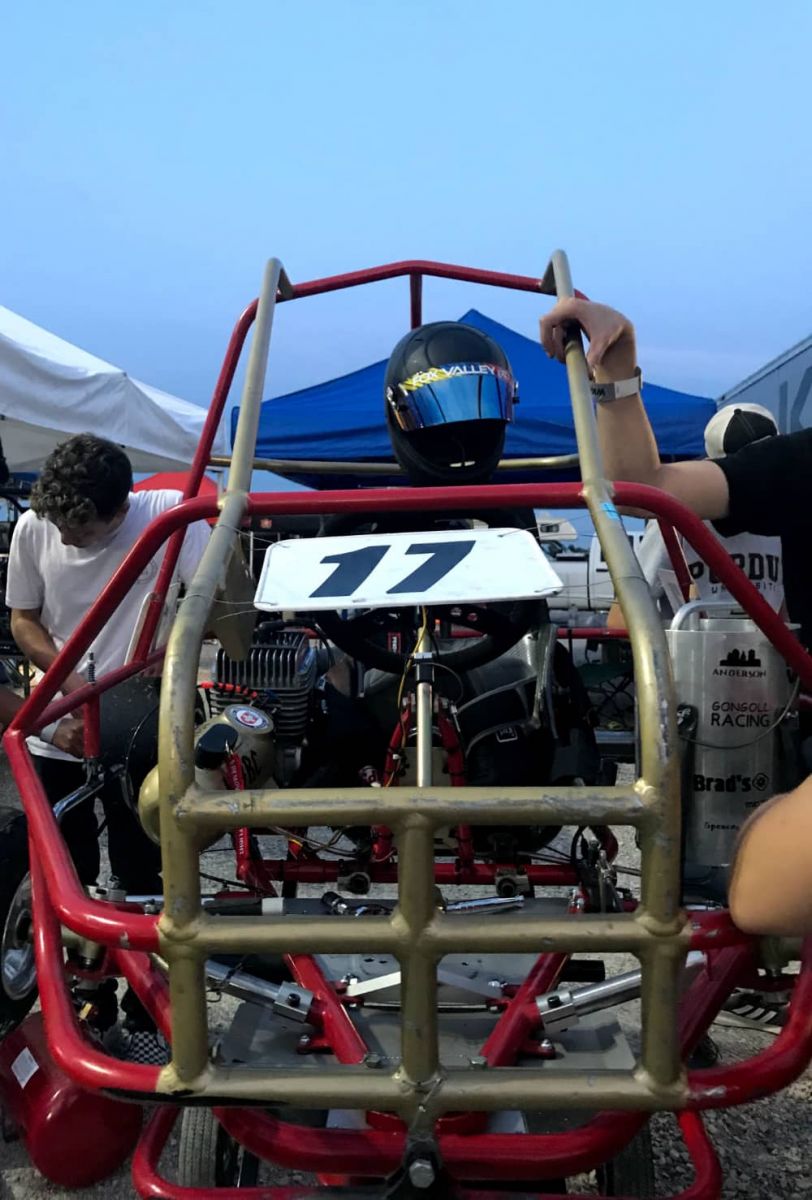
84 519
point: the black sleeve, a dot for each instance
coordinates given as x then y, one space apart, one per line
770 485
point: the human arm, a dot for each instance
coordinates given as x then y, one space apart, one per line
627 441
771 876
615 618
67 734
36 643
25 596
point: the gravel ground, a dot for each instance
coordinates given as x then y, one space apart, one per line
764 1148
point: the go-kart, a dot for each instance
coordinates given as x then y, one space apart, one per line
420 957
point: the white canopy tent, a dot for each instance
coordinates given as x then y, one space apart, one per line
50 390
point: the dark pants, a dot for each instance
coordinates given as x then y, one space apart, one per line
134 858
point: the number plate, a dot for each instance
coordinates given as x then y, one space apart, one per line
397 570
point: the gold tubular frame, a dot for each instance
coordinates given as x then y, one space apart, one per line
420 1089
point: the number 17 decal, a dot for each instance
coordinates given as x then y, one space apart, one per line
354 567
443 557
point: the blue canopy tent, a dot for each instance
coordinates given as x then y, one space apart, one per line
343 419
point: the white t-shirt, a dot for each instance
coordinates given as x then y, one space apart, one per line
759 557
64 581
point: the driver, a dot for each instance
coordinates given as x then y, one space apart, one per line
449 394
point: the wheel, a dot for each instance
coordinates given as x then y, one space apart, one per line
631 1172
208 1156
18 972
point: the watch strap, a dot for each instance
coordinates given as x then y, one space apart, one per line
605 393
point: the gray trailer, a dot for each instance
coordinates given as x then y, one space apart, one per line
784 386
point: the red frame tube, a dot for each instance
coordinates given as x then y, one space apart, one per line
92 919
714 930
77 1056
593 633
151 1185
337 1026
422 499
199 464
410 267
66 704
521 1017
489 1156
771 1070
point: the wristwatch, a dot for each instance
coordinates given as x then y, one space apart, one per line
605 393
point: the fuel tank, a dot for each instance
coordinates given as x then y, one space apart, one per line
73 1137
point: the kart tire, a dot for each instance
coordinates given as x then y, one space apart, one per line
18 976
631 1172
208 1157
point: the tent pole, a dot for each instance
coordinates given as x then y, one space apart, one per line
289 466
416 297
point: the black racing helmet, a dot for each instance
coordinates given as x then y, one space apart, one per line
449 394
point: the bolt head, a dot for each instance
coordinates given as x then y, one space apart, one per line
479 1062
421 1173
373 1060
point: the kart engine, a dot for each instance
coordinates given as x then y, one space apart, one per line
283 664
505 736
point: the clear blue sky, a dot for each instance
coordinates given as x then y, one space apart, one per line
154 154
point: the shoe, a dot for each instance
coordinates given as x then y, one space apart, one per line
131 1044
763 1011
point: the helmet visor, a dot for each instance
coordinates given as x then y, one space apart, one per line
458 392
